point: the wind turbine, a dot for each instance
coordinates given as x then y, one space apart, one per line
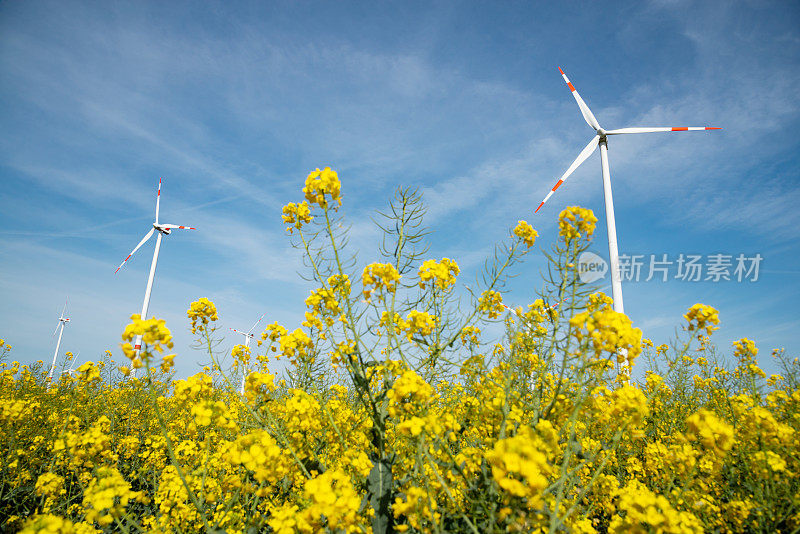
248 336
513 308
163 229
601 140
62 322
71 371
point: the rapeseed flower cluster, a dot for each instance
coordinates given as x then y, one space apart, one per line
491 304
439 274
322 185
713 433
296 215
322 303
107 496
525 231
379 276
418 323
575 223
521 465
746 350
201 312
155 336
334 502
702 319
608 332
647 512
297 346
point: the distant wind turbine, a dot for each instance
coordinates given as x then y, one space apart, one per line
601 140
71 371
514 309
248 336
62 322
163 229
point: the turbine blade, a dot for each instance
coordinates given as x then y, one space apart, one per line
158 198
147 236
237 331
173 226
585 153
65 307
256 323
585 111
661 129
56 330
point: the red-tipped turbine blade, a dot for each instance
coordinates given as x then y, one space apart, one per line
158 199
662 129
175 226
147 236
256 323
585 153
588 116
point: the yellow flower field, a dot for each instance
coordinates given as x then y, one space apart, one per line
398 412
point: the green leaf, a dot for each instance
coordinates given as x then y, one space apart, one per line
379 489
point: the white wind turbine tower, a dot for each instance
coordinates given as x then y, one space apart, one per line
248 336
62 322
601 140
163 229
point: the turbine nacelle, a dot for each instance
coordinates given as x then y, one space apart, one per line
62 321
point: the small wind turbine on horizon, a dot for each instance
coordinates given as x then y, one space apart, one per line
601 140
248 336
163 229
71 371
62 322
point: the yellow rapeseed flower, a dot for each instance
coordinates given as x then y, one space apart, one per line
491 304
201 312
525 231
702 318
377 276
441 274
296 215
320 183
520 465
576 222
712 432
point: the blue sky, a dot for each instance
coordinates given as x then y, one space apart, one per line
233 103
